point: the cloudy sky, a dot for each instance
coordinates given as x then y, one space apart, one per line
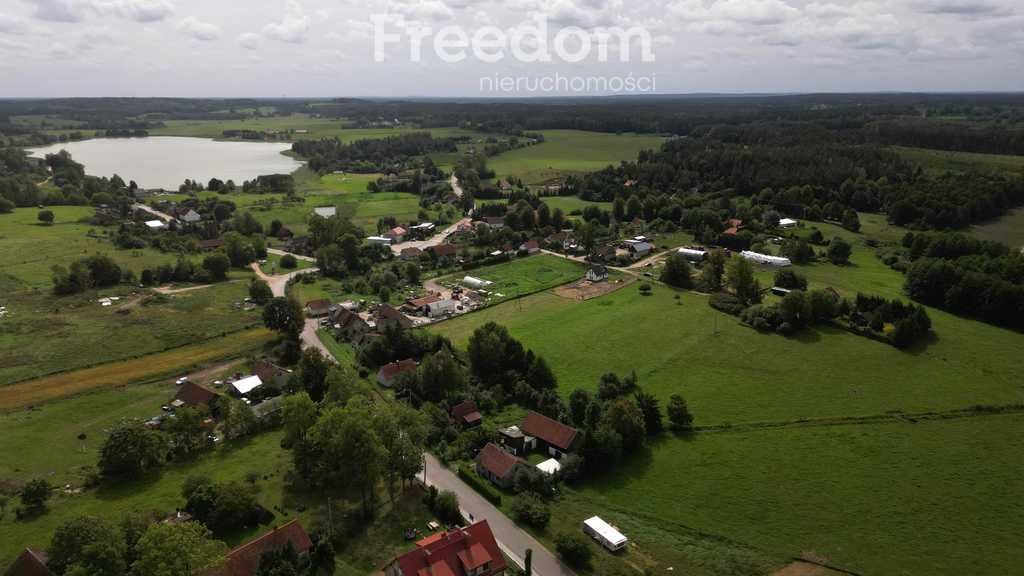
327 47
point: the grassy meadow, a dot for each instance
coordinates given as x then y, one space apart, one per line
315 128
566 152
1008 229
941 161
521 276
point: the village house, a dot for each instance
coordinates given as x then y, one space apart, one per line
444 250
494 222
349 326
638 250
389 318
419 306
552 436
378 240
530 247
466 414
271 374
388 372
597 273
245 560
497 465
396 234
787 223
423 230
733 226
193 395
245 385
411 253
29 563
192 217
318 308
469 551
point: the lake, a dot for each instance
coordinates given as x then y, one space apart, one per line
166 161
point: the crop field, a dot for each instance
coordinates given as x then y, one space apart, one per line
315 128
522 276
1008 229
567 152
941 161
801 453
44 334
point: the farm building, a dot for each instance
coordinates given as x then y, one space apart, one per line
557 438
494 222
442 307
475 283
513 440
469 551
325 211
193 395
348 325
246 385
388 372
396 234
419 306
318 308
466 414
693 255
423 230
379 240
271 374
245 560
155 224
788 223
766 259
388 317
605 534
597 273
497 465
639 249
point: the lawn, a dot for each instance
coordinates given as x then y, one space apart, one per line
942 161
522 276
45 334
567 152
272 265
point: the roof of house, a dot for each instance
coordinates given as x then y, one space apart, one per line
454 553
551 431
268 371
193 394
530 245
346 318
599 269
466 411
732 226
421 302
642 246
246 385
29 563
444 249
496 461
321 306
245 560
192 216
411 251
398 231
389 371
211 244
388 312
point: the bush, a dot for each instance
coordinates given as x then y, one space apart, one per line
574 549
446 508
483 487
35 493
790 279
289 262
531 509
726 303
6 206
45 216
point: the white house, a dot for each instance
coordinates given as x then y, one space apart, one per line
605 534
441 308
246 385
692 254
325 211
788 223
155 224
766 259
597 273
192 217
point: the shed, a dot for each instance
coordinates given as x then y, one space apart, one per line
475 283
788 223
550 466
325 211
766 259
246 385
605 534
155 224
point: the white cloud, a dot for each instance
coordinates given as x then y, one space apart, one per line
92 39
198 29
756 12
249 40
293 28
420 10
140 10
12 25
60 10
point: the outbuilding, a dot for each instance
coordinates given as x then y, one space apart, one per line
155 224
766 259
692 254
475 283
788 223
605 534
246 385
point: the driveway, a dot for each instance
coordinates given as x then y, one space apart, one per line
513 540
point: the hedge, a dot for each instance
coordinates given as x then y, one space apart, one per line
480 485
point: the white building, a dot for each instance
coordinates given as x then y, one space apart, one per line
692 254
605 534
550 466
379 240
246 385
325 211
788 223
475 283
441 308
155 224
766 259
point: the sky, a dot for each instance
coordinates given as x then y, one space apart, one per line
364 48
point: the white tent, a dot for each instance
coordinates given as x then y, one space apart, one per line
787 223
248 384
766 259
605 533
692 254
474 282
155 224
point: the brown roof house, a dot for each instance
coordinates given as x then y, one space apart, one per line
29 563
469 551
318 308
194 396
552 435
349 326
388 317
271 374
466 414
388 372
245 560
497 465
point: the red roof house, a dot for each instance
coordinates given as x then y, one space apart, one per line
470 551
388 372
29 563
245 560
497 465
467 414
192 394
558 437
444 250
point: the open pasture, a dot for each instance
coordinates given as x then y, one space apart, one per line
522 276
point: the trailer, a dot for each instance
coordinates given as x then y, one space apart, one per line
605 534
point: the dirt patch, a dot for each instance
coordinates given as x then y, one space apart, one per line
586 290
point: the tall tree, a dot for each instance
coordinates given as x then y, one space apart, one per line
185 549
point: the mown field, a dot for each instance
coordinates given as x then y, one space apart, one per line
887 496
942 161
565 152
521 276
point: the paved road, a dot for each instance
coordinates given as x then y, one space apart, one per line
513 540
154 212
278 286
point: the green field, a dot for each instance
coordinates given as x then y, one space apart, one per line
941 161
315 128
1008 229
522 276
567 152
791 476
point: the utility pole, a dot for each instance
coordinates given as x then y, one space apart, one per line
528 562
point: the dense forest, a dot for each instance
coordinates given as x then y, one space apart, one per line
387 155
